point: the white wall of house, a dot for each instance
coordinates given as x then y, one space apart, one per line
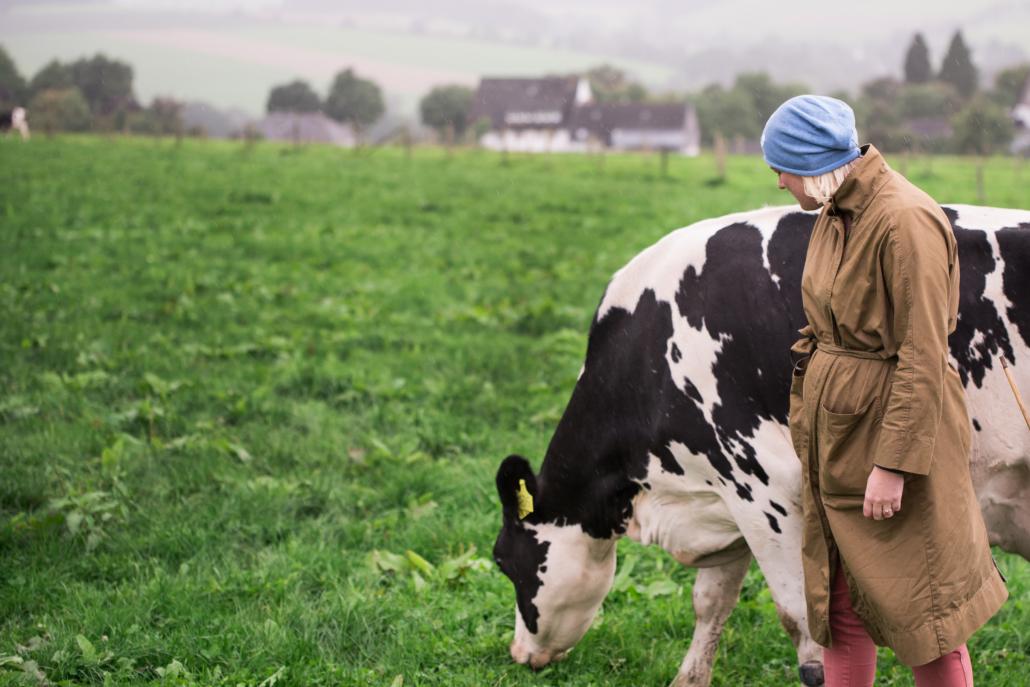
652 139
532 141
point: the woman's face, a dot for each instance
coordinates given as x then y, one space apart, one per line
796 185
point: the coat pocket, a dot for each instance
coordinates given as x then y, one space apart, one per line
845 442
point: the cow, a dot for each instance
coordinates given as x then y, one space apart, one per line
15 120
676 431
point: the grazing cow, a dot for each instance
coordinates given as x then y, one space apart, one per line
676 432
15 119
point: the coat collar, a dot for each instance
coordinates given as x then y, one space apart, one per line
866 179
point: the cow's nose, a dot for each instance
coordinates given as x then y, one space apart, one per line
811 673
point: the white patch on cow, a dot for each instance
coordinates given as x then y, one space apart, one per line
994 288
579 571
988 219
698 353
684 514
697 514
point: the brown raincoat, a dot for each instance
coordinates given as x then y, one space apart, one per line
881 298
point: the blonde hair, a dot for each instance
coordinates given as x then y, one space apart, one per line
820 188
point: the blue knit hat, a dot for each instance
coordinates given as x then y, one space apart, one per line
810 135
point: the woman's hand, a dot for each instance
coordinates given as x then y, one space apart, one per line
882 493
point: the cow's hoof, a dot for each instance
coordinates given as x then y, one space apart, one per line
811 673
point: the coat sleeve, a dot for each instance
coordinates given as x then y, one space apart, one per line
800 352
919 262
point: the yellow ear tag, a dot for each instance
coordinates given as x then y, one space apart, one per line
525 500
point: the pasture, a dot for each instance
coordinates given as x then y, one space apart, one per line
252 399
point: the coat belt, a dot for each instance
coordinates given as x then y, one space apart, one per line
833 349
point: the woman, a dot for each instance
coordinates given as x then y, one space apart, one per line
894 548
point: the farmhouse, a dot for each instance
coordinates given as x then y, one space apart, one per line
1021 118
559 114
529 115
305 127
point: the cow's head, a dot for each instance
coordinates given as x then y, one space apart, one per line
561 574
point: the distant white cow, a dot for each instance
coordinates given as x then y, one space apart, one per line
15 120
676 432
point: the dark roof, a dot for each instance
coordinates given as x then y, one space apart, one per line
525 103
600 119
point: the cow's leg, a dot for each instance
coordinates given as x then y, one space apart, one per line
716 590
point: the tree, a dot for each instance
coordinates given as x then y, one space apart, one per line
354 100
296 96
106 84
447 106
982 128
764 93
610 84
928 100
958 68
53 76
730 113
60 110
917 61
12 84
162 118
1009 85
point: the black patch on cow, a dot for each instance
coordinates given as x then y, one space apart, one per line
521 556
1014 245
692 391
675 353
624 408
977 314
976 425
735 299
773 522
778 508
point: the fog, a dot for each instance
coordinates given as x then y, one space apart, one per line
229 52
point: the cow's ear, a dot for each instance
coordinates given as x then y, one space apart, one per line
516 485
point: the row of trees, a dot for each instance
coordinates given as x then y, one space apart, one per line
929 110
350 99
942 110
89 93
357 101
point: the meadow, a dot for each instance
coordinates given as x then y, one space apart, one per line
252 399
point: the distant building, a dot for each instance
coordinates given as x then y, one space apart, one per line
1021 118
558 114
639 126
305 127
529 115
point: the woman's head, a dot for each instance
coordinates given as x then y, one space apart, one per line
810 141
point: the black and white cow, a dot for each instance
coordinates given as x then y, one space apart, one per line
15 120
676 432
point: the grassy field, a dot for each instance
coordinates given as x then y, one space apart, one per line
252 400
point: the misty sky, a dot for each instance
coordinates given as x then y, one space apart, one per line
230 52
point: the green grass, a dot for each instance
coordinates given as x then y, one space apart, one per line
230 375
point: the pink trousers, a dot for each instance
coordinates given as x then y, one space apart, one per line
852 660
